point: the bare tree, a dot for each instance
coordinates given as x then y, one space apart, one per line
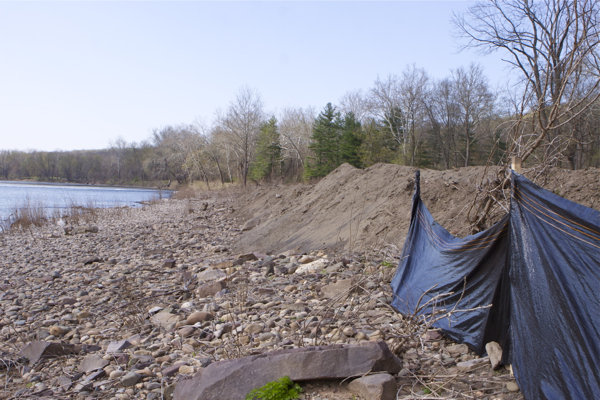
295 129
241 125
356 102
552 44
413 88
474 101
385 105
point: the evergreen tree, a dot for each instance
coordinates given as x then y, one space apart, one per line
325 143
267 161
350 140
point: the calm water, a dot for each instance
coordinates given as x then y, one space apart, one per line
61 196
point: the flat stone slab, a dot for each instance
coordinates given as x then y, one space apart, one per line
233 379
92 363
36 350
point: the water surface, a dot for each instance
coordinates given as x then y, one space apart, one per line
62 196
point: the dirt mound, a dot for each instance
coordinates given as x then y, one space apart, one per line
356 210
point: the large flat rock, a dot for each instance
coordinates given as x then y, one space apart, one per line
233 379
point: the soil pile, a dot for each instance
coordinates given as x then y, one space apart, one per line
357 210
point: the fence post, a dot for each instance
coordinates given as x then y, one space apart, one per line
515 164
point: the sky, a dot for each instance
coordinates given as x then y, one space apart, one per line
77 75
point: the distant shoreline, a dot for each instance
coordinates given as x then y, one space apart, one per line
61 183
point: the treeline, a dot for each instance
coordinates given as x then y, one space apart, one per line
409 119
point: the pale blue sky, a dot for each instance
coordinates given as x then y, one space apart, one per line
74 75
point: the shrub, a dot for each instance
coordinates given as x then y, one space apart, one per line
281 389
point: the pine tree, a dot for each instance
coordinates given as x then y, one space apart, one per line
350 140
325 143
267 161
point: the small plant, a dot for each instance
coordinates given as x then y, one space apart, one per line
387 264
281 389
426 390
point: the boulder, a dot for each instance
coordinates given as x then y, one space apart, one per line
233 379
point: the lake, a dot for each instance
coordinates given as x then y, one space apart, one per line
54 195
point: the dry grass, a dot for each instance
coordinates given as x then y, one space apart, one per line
185 193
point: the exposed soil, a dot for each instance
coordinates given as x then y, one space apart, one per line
357 210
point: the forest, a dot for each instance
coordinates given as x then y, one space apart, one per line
547 114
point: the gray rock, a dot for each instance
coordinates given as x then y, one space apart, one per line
512 387
211 275
130 379
233 379
117 347
164 319
210 289
335 289
470 365
92 363
495 352
34 350
379 386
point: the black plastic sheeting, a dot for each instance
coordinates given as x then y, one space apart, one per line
538 268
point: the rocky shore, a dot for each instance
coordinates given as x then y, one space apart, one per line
134 301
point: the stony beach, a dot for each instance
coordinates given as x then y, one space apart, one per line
126 304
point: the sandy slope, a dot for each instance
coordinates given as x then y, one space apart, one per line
353 209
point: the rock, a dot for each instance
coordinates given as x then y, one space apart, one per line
199 316
164 319
312 267
210 289
117 347
211 275
253 223
59 330
457 349
378 386
168 264
85 386
223 265
91 260
130 379
173 369
233 379
83 314
470 365
116 374
186 331
68 300
270 268
186 369
253 328
512 387
92 363
334 268
495 353
35 350
306 259
248 257
335 289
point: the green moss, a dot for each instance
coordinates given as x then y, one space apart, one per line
281 389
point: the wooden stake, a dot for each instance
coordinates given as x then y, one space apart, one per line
515 164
